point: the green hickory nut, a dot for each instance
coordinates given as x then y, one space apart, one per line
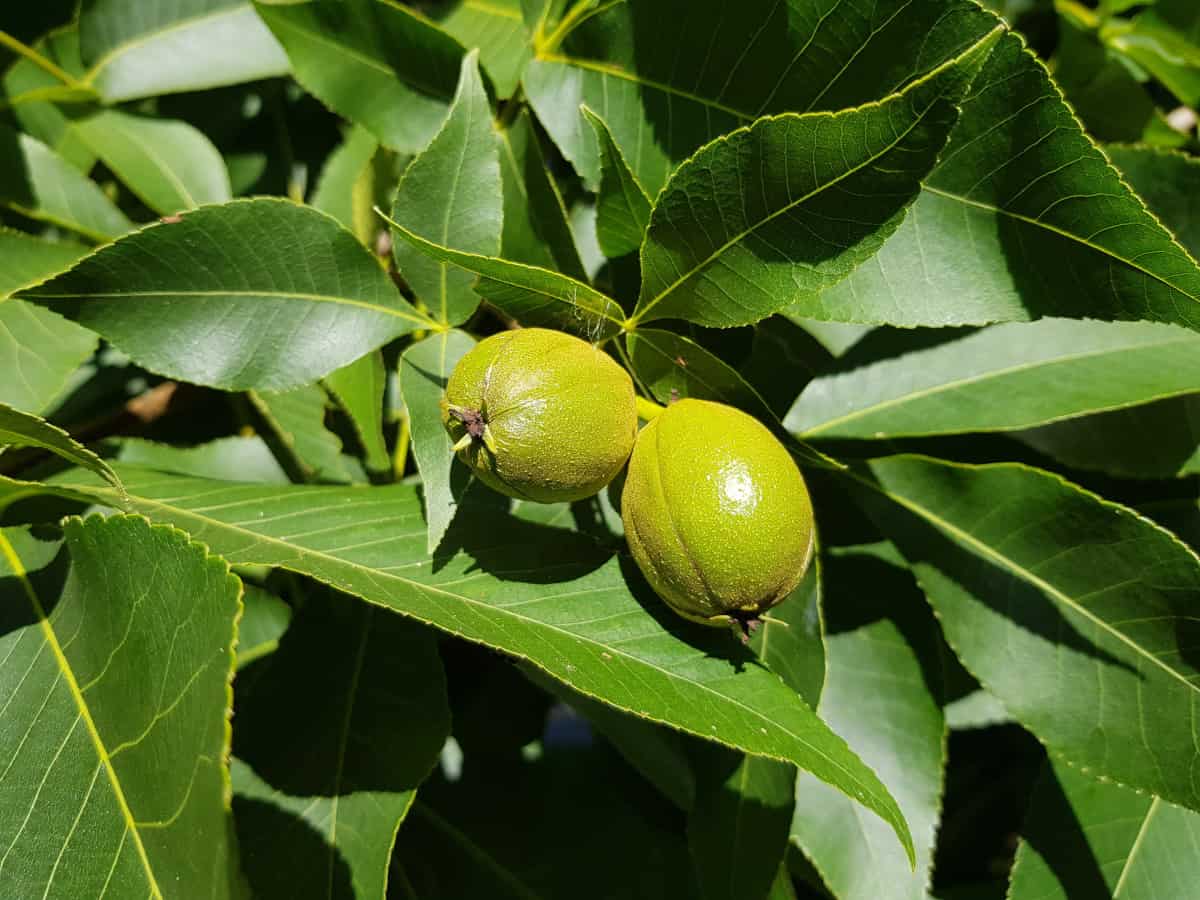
716 514
541 415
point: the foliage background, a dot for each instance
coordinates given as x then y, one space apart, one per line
947 251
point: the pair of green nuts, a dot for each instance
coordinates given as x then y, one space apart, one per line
716 513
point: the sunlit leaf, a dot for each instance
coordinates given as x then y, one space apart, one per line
140 48
882 692
250 294
424 370
375 62
115 725
358 388
450 194
169 165
344 189
1002 378
772 214
622 207
21 429
599 628
38 183
536 228
1077 614
1088 838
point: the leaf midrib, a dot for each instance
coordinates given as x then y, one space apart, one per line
271 294
602 68
1037 223
699 267
131 827
433 589
982 549
935 389
343 740
1136 846
114 123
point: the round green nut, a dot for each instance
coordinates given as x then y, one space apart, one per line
716 514
540 415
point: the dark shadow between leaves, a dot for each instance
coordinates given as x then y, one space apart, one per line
46 576
986 583
763 826
1155 440
284 856
16 181
887 343
1052 829
342 654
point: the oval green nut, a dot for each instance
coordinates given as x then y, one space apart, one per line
541 415
716 514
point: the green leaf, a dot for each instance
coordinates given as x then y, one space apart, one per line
738 827
1088 838
115 731
1002 378
169 165
1169 182
22 429
1108 97
542 594
790 640
739 822
530 294
783 358
263 622
345 188
496 29
38 353
250 294
144 48
828 188
537 230
1077 614
296 420
671 366
622 207
1162 51
358 389
882 685
1161 439
424 370
377 63
39 349
38 183
451 195
1022 218
978 709
658 77
1181 15
329 756
35 94
225 459
26 260
1158 440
